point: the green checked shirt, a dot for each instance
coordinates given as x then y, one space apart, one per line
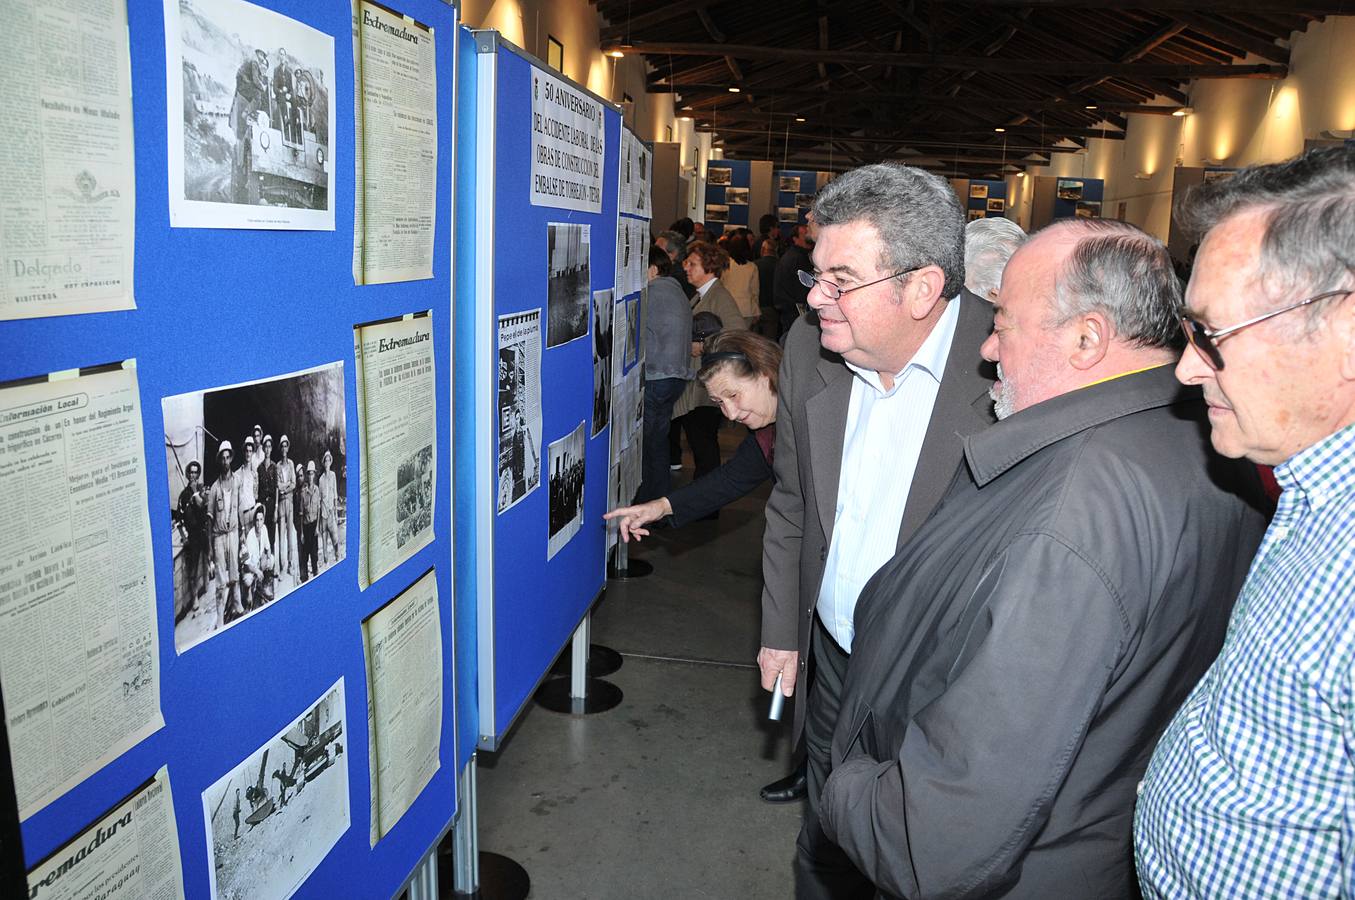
1251 791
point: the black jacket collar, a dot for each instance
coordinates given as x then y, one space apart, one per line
996 449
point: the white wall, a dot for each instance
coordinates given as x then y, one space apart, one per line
1236 122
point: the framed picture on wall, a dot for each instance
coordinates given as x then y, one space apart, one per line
804 201
788 184
787 214
717 212
736 196
718 175
978 191
1087 209
997 204
977 214
1068 189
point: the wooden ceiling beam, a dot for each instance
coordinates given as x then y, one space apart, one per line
1089 68
1289 7
1235 36
665 13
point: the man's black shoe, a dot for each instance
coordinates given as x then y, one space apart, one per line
786 790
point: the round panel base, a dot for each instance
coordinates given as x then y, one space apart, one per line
500 879
635 568
602 661
602 696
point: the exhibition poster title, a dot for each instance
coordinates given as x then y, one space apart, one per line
568 138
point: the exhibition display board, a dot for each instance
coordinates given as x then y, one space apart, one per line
728 183
534 317
795 190
206 691
985 199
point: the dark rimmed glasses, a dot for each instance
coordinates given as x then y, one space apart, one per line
833 291
1207 342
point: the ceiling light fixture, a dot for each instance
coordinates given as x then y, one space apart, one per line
615 54
799 118
1142 176
734 90
1021 174
1000 130
1090 106
1183 111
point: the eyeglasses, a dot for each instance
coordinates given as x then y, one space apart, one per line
1207 342
833 292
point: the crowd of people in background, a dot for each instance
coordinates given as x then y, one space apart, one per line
1047 632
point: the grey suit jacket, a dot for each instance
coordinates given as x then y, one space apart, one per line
811 422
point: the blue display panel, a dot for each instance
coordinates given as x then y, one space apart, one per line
219 307
529 604
987 199
728 184
792 188
1078 197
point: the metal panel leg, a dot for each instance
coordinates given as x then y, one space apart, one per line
579 695
477 875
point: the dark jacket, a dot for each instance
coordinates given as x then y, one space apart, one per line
1016 661
787 292
746 469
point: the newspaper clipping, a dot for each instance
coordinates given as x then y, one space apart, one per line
132 853
258 475
570 280
251 118
402 643
602 359
395 75
67 198
397 427
519 406
566 489
273 818
79 653
568 145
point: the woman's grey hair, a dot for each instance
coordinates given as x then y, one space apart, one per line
1309 203
988 244
916 214
1124 273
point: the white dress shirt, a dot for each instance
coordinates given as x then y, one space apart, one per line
880 449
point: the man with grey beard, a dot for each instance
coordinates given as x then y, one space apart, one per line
1016 660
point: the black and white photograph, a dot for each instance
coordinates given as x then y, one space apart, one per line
632 333
787 214
717 212
258 482
804 201
997 204
275 816
978 191
736 196
519 471
788 184
1068 189
569 285
414 505
602 360
717 175
251 118
564 463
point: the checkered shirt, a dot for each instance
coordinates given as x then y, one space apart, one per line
1251 791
